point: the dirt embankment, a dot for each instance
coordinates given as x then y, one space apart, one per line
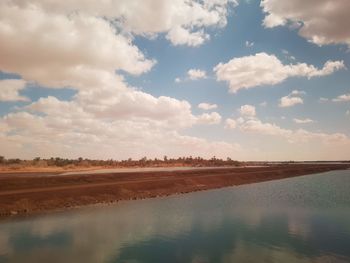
32 192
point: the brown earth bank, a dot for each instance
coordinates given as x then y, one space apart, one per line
34 192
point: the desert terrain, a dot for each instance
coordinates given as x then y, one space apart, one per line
34 192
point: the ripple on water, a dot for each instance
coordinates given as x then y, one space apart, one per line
304 219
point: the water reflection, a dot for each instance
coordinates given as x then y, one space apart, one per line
304 219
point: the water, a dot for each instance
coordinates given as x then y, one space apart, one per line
304 219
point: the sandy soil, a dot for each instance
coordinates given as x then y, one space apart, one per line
49 169
27 193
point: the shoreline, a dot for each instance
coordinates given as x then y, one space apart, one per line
36 194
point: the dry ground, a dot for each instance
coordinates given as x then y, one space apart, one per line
26 193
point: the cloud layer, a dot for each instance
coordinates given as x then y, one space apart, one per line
83 45
92 49
256 126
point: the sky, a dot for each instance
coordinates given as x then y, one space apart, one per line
245 79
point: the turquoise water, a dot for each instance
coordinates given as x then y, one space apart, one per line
304 219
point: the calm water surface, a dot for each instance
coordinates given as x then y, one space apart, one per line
305 219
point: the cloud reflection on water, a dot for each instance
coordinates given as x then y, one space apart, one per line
254 223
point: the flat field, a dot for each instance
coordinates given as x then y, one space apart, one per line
33 192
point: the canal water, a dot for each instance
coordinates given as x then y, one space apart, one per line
302 219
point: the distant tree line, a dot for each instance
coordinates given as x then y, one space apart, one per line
143 162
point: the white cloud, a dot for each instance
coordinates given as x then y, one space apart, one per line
51 106
292 136
195 74
48 136
117 104
122 121
303 121
182 36
209 118
240 120
230 124
348 112
207 106
80 45
320 21
68 128
263 104
256 126
9 90
342 98
249 44
183 21
292 99
264 69
82 50
247 111
253 125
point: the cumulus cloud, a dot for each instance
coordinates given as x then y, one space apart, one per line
81 45
183 22
295 136
10 88
68 128
320 21
253 125
292 99
129 104
247 111
33 135
122 121
207 106
209 118
342 98
82 50
256 126
195 74
230 124
264 69
182 36
303 121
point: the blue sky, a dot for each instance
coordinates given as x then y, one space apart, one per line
53 106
